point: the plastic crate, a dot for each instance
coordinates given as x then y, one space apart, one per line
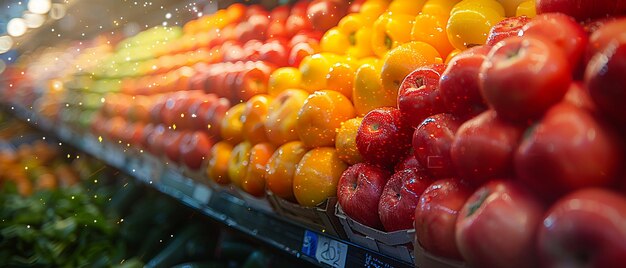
398 244
320 218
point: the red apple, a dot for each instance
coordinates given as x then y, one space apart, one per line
505 28
256 9
275 52
436 215
523 77
582 9
155 140
484 147
297 23
147 132
211 116
195 110
567 150
578 95
605 78
603 33
306 37
359 190
253 80
233 51
585 229
432 141
171 145
252 50
280 13
399 198
564 32
258 25
355 6
300 51
459 83
276 29
300 7
229 86
498 225
383 139
409 162
418 96
194 148
325 14
136 138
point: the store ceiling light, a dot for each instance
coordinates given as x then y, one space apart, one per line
39 6
6 42
34 20
16 27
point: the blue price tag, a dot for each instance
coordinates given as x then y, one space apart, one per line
309 246
324 249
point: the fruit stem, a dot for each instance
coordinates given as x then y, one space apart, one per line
475 205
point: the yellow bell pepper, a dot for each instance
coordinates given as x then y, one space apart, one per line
439 7
371 9
409 7
335 41
526 8
359 35
391 30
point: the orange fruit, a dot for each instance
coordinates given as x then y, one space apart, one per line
282 79
217 169
281 169
238 163
321 116
314 69
317 175
231 128
346 141
431 29
340 78
253 118
280 126
254 181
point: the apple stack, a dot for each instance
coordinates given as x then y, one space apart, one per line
516 147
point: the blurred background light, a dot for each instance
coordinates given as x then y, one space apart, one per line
6 42
16 27
34 20
57 11
39 6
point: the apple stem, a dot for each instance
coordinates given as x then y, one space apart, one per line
374 127
475 205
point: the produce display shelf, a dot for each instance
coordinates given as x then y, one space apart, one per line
317 248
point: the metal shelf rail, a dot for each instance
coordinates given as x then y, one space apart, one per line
315 247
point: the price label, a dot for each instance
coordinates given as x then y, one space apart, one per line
371 261
202 194
324 250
